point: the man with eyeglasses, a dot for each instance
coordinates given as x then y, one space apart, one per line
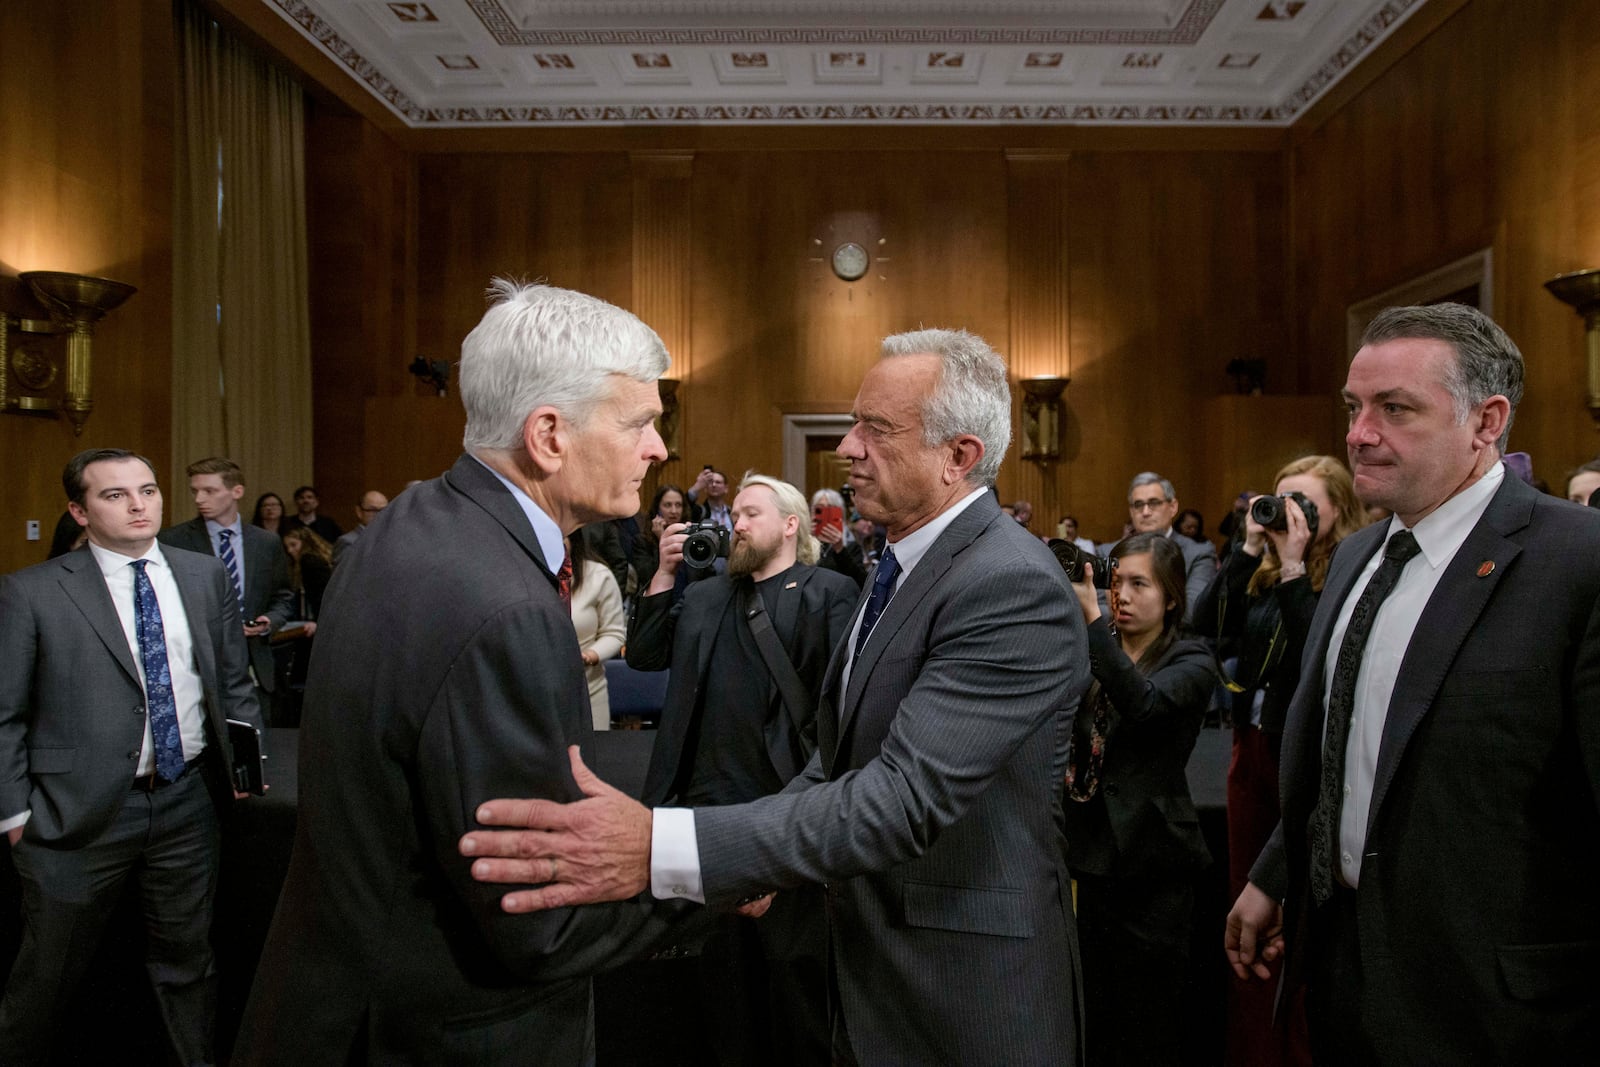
372 502
1152 505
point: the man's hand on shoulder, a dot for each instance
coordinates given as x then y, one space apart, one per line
590 850
14 835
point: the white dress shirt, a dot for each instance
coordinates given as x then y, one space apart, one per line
1440 536
674 847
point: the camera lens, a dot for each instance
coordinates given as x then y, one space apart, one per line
1268 511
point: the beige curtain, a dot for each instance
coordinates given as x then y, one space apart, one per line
241 349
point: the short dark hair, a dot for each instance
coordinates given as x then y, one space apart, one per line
306 489
1487 363
1166 561
72 474
231 474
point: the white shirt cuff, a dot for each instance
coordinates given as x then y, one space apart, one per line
675 856
7 825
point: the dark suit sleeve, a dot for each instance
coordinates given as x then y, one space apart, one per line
1270 873
280 602
651 627
1202 567
1220 611
1181 686
500 726
19 641
234 688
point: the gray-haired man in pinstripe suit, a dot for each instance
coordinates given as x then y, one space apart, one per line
932 809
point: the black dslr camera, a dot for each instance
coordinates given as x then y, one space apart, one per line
1270 512
1074 559
705 543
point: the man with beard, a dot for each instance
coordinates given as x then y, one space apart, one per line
733 730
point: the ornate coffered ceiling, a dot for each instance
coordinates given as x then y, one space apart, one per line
542 63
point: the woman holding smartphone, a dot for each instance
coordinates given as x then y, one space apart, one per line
1134 836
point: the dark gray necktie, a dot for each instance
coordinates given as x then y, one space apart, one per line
1341 702
882 589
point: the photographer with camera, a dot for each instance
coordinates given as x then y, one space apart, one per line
840 551
1259 610
1134 834
748 651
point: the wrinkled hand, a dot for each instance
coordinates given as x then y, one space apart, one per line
756 908
587 851
830 535
1254 938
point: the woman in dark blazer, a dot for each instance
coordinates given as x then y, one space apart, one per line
1134 841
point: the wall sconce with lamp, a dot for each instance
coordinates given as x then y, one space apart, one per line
75 302
1041 417
1581 289
668 423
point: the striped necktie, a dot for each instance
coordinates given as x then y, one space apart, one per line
231 562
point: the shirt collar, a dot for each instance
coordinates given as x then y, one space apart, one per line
1445 529
213 527
551 541
110 562
909 550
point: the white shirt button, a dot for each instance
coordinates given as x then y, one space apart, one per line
679 890
1346 790
1346 858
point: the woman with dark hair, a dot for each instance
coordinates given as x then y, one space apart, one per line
1134 832
269 513
597 617
1259 608
668 506
68 536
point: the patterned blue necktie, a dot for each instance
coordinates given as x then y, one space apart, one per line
157 675
882 589
231 562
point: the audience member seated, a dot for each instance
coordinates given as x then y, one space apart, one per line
372 504
1132 829
269 513
597 617
869 535
1583 482
1152 507
840 552
1259 610
1022 511
1192 525
306 504
666 507
1067 530
603 543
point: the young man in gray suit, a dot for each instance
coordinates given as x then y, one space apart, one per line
119 666
932 809
254 559
1433 877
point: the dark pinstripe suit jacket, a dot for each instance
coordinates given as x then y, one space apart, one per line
932 810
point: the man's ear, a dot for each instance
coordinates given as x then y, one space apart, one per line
964 453
1492 419
546 438
79 516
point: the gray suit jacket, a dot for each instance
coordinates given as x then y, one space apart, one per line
266 582
933 810
72 709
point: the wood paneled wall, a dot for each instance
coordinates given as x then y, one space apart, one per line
1485 135
86 186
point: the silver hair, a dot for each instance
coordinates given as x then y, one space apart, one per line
1151 478
539 345
972 395
791 501
833 498
1488 363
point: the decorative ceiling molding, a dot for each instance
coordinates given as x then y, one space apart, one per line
505 63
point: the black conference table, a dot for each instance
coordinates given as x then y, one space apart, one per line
645 1011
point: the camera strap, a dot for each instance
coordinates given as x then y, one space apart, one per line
796 701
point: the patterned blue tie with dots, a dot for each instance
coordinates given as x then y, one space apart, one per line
157 675
882 589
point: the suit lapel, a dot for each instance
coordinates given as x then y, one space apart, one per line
86 587
908 597
714 615
479 484
1452 611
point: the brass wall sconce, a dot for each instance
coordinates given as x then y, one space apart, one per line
75 302
1581 289
1041 417
667 425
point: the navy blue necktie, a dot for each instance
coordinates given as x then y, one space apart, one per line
231 562
157 675
882 589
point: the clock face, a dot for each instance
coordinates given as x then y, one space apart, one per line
850 261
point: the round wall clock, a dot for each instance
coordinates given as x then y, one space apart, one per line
850 261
